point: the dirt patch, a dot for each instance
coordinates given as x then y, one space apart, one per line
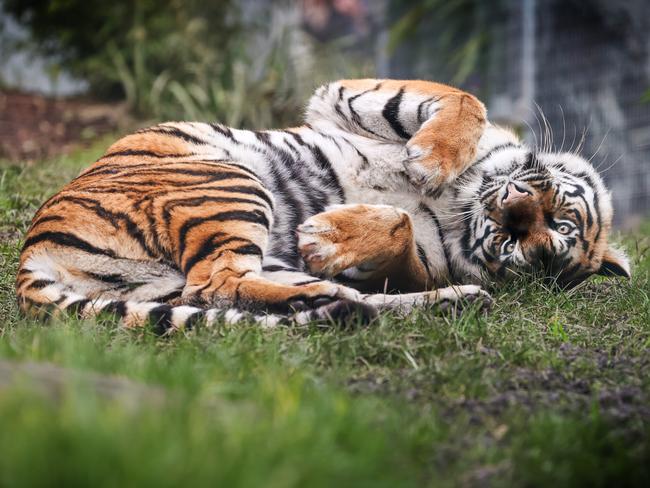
581 380
33 126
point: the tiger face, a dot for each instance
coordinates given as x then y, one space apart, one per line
547 213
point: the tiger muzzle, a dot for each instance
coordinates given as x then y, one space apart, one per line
521 210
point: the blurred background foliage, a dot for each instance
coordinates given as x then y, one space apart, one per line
246 63
561 66
185 59
463 29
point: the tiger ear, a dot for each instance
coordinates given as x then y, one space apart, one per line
615 263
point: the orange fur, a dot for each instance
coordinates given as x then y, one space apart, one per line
363 234
445 145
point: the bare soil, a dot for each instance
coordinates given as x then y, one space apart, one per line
34 126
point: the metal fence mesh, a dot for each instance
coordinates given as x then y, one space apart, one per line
584 65
591 71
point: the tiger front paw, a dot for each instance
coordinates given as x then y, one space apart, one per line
454 299
346 236
430 169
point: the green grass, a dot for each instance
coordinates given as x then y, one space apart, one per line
547 389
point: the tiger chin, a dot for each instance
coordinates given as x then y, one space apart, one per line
392 195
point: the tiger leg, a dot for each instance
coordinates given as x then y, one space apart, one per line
221 255
376 243
446 145
452 299
439 125
279 272
373 243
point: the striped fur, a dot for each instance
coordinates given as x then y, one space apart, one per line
387 185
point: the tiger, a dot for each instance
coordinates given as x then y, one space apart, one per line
392 195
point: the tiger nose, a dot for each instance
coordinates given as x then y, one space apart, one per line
514 194
540 257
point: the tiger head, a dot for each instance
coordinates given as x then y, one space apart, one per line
527 211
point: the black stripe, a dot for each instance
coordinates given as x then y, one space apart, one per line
114 218
294 150
107 278
467 231
243 168
596 202
363 157
251 190
531 162
254 216
355 115
313 197
421 118
160 319
401 224
250 249
39 284
69 240
109 169
132 169
76 308
208 247
297 137
47 218
142 152
332 139
168 296
175 132
337 105
224 131
324 164
422 255
436 223
306 282
193 320
215 174
272 268
494 150
263 137
117 307
391 114
579 193
171 205
279 180
357 120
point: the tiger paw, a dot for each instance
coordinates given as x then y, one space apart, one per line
347 314
453 300
322 294
446 146
354 235
431 169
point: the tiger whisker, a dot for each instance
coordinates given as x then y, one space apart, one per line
563 127
599 146
611 165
